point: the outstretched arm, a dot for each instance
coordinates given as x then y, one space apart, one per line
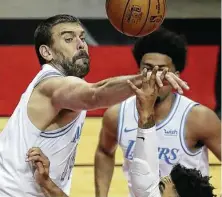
76 94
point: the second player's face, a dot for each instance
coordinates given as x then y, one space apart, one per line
150 60
167 188
69 49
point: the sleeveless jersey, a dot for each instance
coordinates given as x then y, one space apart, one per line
19 135
171 137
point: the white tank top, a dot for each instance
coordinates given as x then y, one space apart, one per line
170 132
19 135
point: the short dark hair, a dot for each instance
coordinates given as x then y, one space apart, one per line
43 33
165 42
191 183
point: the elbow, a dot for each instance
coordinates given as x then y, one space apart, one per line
103 152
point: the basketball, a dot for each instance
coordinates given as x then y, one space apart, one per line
136 17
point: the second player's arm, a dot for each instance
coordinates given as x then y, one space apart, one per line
105 153
144 169
50 189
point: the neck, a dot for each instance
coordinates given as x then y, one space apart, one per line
163 107
58 67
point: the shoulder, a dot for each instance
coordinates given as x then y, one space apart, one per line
202 120
201 114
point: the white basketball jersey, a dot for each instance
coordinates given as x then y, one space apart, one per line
19 135
171 137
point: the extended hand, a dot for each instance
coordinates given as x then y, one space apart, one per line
147 95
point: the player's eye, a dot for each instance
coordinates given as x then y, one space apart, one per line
68 40
83 39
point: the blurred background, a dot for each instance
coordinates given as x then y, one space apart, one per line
198 20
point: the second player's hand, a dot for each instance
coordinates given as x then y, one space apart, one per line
147 95
173 80
40 164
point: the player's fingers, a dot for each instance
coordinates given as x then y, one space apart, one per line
162 76
37 158
152 80
34 153
159 81
144 72
40 167
133 87
145 75
34 149
180 82
173 83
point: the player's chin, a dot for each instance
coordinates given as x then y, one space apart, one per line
83 69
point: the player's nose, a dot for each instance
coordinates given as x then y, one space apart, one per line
80 44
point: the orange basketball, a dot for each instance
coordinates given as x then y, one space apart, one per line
136 17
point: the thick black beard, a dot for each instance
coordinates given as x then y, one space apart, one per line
73 68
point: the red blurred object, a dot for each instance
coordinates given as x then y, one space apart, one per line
19 65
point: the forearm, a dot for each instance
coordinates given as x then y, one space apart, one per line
50 189
104 167
114 90
147 149
144 170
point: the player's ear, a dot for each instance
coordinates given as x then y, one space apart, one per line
45 52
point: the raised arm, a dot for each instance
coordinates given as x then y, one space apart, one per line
144 170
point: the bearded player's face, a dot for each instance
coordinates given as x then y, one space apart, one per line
69 49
